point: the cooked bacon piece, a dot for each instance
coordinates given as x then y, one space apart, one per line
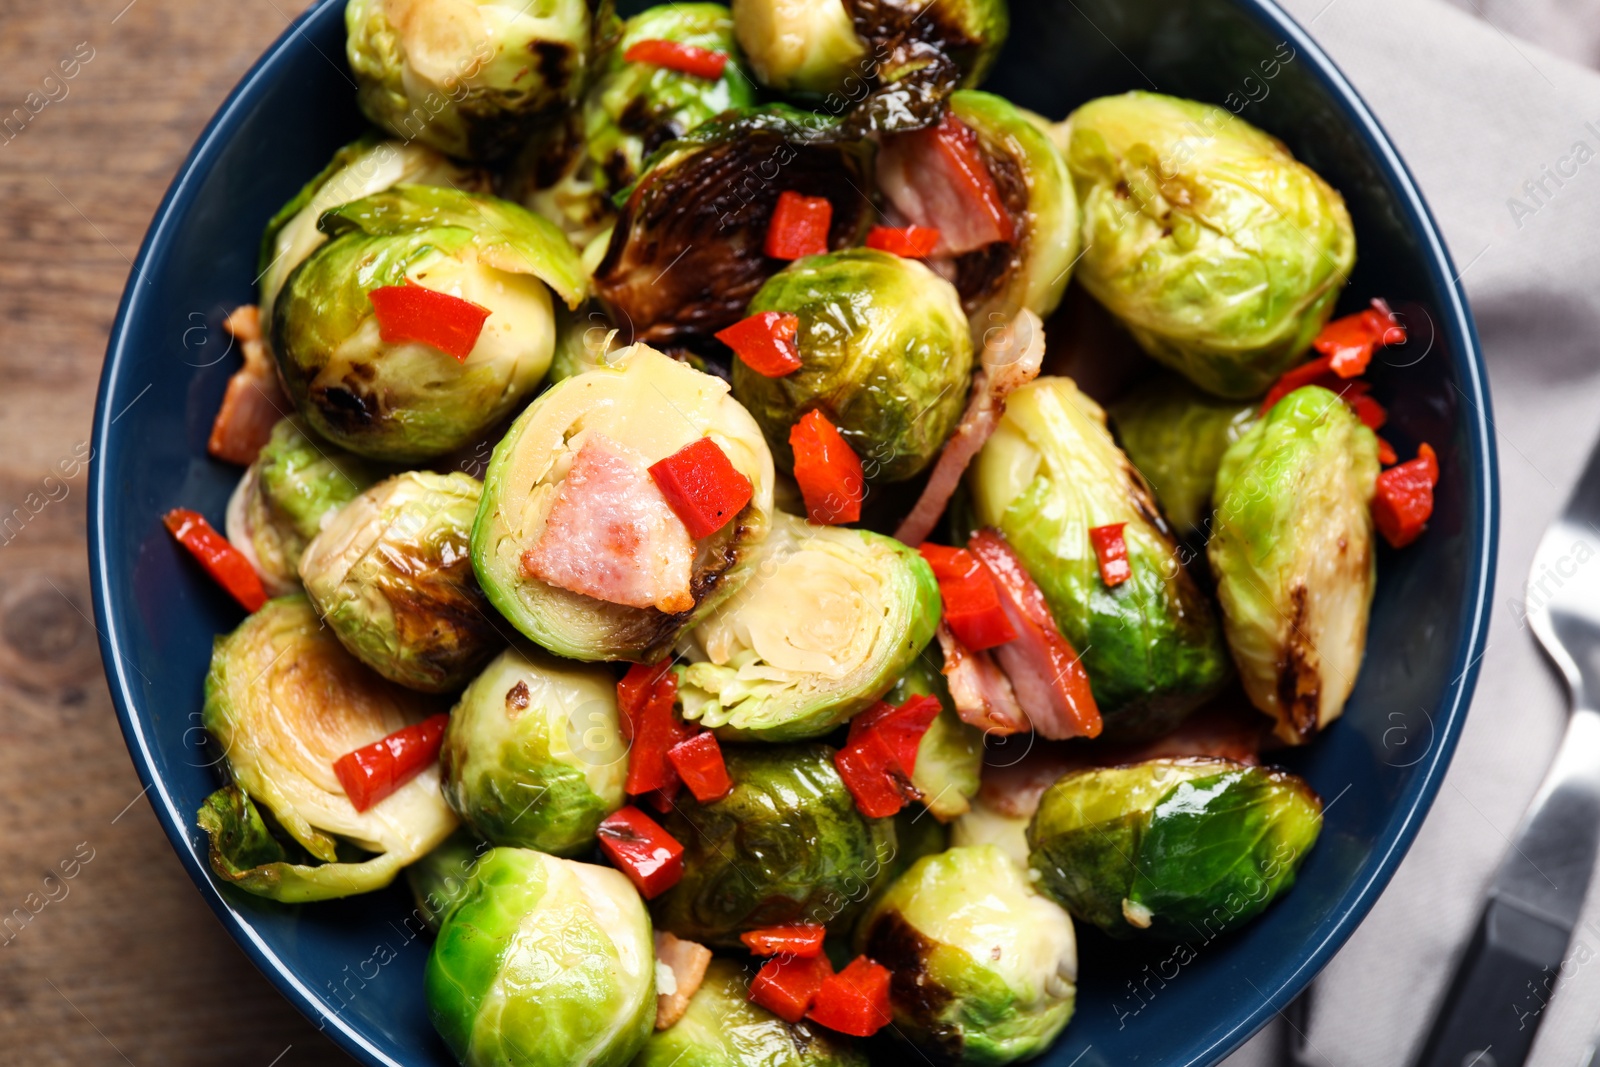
1009 362
937 177
688 962
982 695
254 401
611 534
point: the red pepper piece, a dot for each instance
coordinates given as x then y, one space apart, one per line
1386 453
799 226
1348 343
786 985
702 487
650 857
1112 551
646 696
675 55
799 939
1369 411
374 771
828 470
410 312
901 728
699 763
856 1000
909 242
866 770
948 563
663 800
220 559
765 342
880 755
1403 503
971 602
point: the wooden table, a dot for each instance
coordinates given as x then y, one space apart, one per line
123 963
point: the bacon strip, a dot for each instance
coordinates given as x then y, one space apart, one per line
981 693
254 401
688 961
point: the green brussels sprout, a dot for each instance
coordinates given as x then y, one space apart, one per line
1049 474
985 824
786 846
544 961
408 401
391 574
1220 253
585 339
1172 848
469 77
1293 555
1175 435
722 1028
688 253
283 702
438 881
985 969
802 46
648 406
534 755
950 754
827 621
888 358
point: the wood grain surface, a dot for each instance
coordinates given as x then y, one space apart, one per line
114 958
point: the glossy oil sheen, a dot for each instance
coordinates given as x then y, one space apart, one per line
354 966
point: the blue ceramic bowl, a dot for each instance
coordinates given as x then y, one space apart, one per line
354 968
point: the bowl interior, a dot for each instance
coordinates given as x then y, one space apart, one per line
355 967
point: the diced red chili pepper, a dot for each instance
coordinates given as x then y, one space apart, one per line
828 470
1112 551
663 800
855 1001
1371 413
1348 343
646 696
947 562
226 565
800 939
374 771
971 602
799 226
1403 503
702 487
764 342
786 985
650 857
1386 453
880 755
699 763
411 312
909 242
901 728
675 55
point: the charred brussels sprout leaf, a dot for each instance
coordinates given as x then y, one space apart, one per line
786 846
544 961
1221 254
950 754
887 358
534 756
828 619
687 253
985 969
1294 560
1050 474
1172 848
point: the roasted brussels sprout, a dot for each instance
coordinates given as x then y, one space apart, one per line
985 969
887 353
950 754
469 77
585 340
1175 435
284 700
534 756
626 416
545 961
723 1029
1292 552
986 824
439 880
1050 474
786 846
1175 848
827 621
392 577
1220 253
408 401
687 252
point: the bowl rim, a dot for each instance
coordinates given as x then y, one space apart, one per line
1414 801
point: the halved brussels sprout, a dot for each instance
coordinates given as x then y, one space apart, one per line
827 621
439 880
391 574
1172 848
469 77
786 846
534 755
950 754
721 1028
887 358
409 401
1049 474
985 969
1294 560
985 824
284 701
687 252
1219 252
545 962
